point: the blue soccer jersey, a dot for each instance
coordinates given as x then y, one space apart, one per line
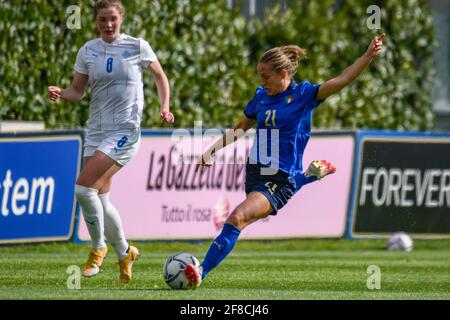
283 125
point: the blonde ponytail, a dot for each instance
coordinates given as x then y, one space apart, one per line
285 57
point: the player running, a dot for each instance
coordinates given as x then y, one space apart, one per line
112 65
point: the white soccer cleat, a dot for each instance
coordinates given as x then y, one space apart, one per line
194 275
320 169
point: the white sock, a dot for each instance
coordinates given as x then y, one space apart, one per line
93 214
113 227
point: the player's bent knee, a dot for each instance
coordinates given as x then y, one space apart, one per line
237 218
89 182
82 192
84 182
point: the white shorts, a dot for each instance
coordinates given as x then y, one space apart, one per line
119 145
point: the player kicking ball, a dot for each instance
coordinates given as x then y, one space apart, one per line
280 104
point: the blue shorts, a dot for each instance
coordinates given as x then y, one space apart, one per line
277 188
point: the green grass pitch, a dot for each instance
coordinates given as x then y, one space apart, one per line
270 270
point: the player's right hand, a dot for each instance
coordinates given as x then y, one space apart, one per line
167 117
203 161
375 46
54 93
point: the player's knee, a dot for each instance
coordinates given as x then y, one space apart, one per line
237 217
84 193
84 181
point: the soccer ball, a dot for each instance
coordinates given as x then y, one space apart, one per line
400 241
174 267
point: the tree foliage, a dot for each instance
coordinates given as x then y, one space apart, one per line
394 92
209 54
200 44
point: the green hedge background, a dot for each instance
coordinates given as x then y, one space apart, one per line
209 54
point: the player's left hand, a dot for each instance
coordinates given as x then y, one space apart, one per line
375 46
167 117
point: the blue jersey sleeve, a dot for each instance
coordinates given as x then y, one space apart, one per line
309 93
250 110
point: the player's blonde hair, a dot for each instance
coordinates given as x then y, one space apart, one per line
285 57
105 4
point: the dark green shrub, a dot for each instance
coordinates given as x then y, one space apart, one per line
393 93
210 53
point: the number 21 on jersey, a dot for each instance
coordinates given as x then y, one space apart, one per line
270 118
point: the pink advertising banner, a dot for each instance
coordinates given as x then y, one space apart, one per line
160 198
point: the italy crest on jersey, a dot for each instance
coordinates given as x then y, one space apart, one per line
289 99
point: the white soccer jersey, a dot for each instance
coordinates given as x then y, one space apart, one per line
115 77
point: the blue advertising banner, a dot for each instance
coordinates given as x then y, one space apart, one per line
37 178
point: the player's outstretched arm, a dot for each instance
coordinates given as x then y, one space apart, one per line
351 73
74 93
229 137
162 85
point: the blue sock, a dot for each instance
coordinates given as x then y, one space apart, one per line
220 248
301 180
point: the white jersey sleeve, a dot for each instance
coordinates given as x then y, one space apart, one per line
147 54
80 64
